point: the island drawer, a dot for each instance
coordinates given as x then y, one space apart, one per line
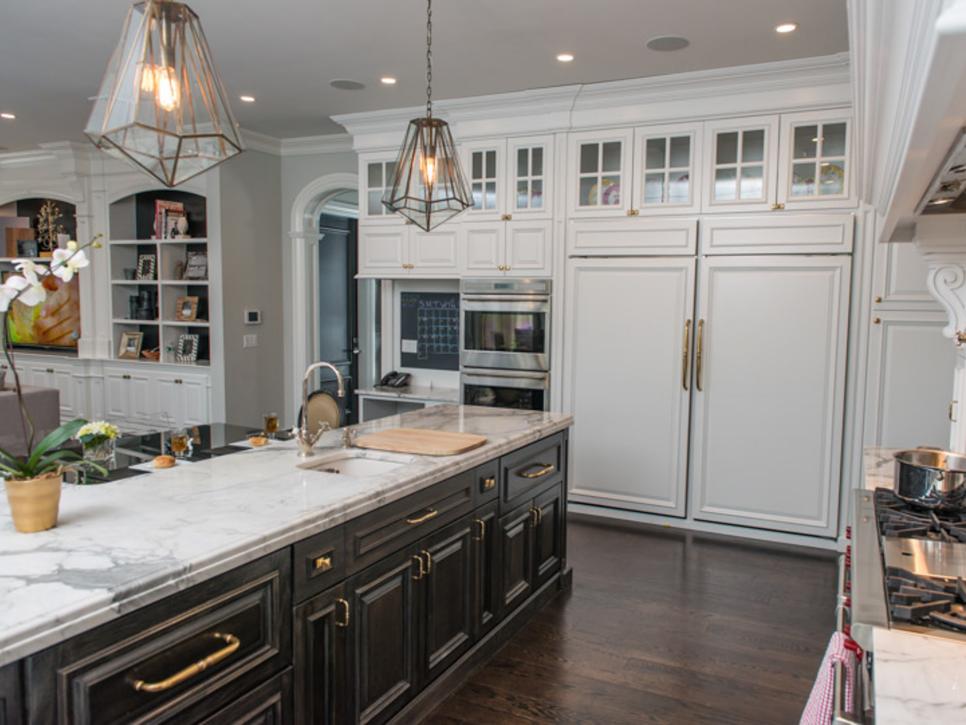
319 562
389 528
529 468
174 661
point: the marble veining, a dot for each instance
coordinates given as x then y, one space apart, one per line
121 545
879 467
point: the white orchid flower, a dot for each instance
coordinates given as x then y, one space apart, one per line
68 261
32 292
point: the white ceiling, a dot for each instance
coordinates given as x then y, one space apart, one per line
285 52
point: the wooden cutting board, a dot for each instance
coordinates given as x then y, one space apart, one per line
421 442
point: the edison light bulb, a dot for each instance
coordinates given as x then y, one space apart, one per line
162 81
429 170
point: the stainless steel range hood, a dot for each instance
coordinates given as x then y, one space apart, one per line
947 192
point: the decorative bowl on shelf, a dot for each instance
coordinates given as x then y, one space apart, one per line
153 355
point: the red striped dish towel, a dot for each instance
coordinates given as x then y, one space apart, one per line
818 709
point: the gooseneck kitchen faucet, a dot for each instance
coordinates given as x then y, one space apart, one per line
305 438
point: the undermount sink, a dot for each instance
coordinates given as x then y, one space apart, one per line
356 463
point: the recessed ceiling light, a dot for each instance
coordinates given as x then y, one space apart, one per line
8 116
565 57
344 84
388 81
247 99
668 43
786 28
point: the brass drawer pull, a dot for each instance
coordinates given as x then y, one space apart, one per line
345 608
431 514
422 567
489 483
232 643
50 371
699 358
322 563
686 355
545 469
533 516
482 524
429 561
125 376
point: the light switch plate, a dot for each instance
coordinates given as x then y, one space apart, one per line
250 340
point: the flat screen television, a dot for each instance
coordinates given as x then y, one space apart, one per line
53 325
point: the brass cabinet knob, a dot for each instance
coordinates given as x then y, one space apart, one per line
489 483
322 563
876 321
50 371
633 212
777 206
878 299
125 376
506 217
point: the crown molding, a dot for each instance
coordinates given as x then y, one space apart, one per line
256 141
332 143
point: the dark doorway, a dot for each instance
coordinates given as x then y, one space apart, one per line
337 313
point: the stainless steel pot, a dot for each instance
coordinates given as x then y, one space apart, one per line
931 478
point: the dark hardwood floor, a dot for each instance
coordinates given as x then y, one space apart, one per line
663 626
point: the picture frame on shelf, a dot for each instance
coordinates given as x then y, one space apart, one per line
147 267
186 308
130 347
196 266
27 248
179 269
187 349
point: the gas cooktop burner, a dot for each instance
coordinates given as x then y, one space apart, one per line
927 600
899 518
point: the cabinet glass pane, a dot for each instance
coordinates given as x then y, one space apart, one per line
477 171
679 187
588 158
536 190
727 148
725 184
477 195
612 156
680 152
375 175
610 194
490 164
491 195
522 196
523 168
832 178
753 145
536 161
834 139
806 140
803 179
654 157
654 188
374 205
751 182
588 191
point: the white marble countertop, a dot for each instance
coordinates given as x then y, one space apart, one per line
124 544
918 678
414 392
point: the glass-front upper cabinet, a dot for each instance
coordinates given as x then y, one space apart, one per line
742 156
529 177
600 174
376 173
483 164
667 169
815 168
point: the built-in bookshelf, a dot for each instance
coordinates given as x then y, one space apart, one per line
159 277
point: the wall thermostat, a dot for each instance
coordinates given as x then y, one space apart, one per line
253 317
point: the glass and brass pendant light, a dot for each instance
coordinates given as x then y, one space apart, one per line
161 104
429 186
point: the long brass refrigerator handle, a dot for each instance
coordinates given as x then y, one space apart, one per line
699 357
686 355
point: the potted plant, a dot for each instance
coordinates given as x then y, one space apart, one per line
33 481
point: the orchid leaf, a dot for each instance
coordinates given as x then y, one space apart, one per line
54 439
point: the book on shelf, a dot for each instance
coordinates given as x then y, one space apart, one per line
166 216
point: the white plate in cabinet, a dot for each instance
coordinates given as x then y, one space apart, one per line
767 415
742 155
638 236
815 165
435 253
600 173
627 380
778 234
529 248
383 250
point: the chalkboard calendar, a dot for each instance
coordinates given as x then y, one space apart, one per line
430 330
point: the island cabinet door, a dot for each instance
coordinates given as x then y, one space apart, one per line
548 534
486 568
516 557
446 597
384 633
11 705
321 647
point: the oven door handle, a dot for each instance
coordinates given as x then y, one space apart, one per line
507 298
841 716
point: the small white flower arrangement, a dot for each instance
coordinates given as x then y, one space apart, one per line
96 432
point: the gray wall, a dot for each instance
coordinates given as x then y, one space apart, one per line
251 207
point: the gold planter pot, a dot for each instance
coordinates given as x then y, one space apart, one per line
34 502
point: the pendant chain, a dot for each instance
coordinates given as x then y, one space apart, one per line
429 58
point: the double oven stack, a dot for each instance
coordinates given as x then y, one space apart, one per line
505 348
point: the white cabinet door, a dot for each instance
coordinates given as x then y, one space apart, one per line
183 399
815 165
529 248
667 169
600 174
627 381
742 155
131 400
769 388
816 233
436 253
910 383
484 251
383 251
529 187
483 164
55 376
197 410
376 172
